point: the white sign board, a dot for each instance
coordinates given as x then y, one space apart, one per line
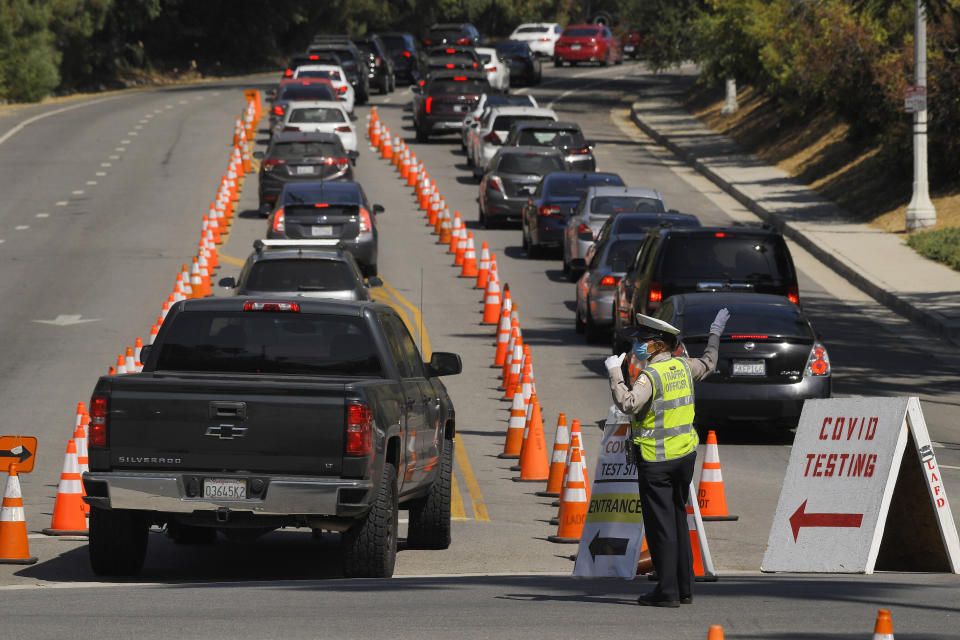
613 530
862 492
915 99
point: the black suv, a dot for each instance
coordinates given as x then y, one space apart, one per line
462 33
301 156
406 56
379 63
690 260
352 60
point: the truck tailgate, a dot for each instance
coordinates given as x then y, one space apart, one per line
220 423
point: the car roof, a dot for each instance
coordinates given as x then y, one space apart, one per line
487 50
317 67
526 151
612 190
520 110
584 24
304 136
328 306
730 298
585 174
740 231
303 104
300 253
304 82
664 217
557 124
536 24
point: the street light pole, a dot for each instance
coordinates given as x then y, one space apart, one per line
920 212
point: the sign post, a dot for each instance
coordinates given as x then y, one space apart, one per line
862 492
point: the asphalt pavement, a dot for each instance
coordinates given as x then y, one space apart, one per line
110 255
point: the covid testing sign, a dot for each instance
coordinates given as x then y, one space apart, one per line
862 492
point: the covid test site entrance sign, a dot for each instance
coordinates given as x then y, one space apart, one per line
862 492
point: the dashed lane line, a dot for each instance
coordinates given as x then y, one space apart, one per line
18 128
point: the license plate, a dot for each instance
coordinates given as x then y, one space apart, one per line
305 170
321 231
628 47
749 367
459 108
528 189
224 489
575 47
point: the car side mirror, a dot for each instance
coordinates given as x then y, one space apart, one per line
591 145
258 155
443 363
353 155
374 281
579 264
228 283
145 352
378 209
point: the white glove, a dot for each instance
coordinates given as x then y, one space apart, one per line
614 362
720 322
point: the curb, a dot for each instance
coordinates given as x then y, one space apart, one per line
929 320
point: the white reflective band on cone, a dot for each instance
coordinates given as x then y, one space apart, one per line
11 514
711 475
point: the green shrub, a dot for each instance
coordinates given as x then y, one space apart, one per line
942 245
28 58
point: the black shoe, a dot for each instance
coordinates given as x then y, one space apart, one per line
653 600
686 599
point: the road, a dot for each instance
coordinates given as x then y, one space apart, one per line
103 205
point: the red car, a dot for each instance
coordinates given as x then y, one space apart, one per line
587 43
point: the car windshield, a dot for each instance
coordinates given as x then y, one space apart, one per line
622 253
625 204
504 123
330 74
317 115
748 319
304 149
266 342
396 43
560 138
725 255
311 92
574 186
457 87
300 275
513 48
532 30
584 32
640 224
529 164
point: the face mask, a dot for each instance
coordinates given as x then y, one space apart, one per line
640 351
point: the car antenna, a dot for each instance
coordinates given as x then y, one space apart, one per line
420 331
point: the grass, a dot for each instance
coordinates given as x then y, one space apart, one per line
942 245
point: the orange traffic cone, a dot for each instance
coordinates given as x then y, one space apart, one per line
68 516
534 464
446 232
715 632
455 235
387 150
491 303
83 457
515 427
711 498
375 138
526 392
695 543
573 504
503 338
558 460
469 269
575 443
483 271
883 629
461 252
14 546
513 378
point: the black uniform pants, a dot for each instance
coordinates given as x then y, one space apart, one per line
664 488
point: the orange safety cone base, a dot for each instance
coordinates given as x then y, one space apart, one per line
547 494
563 540
510 457
719 518
30 560
66 532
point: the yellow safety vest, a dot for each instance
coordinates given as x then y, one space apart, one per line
666 431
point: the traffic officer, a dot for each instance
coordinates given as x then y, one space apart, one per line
660 405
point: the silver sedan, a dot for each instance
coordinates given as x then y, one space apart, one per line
597 286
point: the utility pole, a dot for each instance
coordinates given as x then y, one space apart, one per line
920 212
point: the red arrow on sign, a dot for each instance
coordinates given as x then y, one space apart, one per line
802 519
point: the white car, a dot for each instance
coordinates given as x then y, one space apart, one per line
320 116
335 75
498 73
486 101
493 129
540 36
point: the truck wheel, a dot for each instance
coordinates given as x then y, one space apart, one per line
370 548
117 542
429 526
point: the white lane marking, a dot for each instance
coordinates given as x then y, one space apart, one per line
948 466
12 132
107 164
67 320
183 102
78 192
148 116
158 111
168 106
138 127
2 240
62 203
43 215
124 142
21 227
144 121
580 88
132 133
119 148
91 182
114 157
216 93
101 173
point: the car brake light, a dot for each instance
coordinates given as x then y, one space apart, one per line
313 57
278 221
749 336
654 295
344 129
290 128
463 41
450 50
406 54
495 183
793 295
544 39
271 306
584 232
342 89
459 78
321 205
336 161
450 65
609 281
548 211
278 110
493 138
365 224
97 436
271 163
359 429
288 73
579 151
491 68
719 234
429 103
421 83
818 364
427 42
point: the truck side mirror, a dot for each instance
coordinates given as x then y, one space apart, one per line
443 363
228 283
145 352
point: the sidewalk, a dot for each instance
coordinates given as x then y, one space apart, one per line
879 263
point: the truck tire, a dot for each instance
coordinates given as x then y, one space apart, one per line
117 542
370 548
429 526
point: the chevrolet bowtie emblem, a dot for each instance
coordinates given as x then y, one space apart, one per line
749 346
226 431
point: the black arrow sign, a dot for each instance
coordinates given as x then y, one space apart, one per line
607 546
23 454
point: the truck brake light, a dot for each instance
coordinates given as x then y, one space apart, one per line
278 221
654 296
793 295
97 437
429 103
359 429
271 306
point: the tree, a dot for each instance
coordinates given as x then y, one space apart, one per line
28 58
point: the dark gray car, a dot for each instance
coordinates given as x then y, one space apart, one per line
510 180
597 287
565 136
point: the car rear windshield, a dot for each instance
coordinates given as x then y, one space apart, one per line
625 204
269 342
532 30
637 224
330 74
574 186
457 87
581 33
504 123
346 55
513 48
450 36
317 115
622 253
300 275
396 43
748 319
312 92
729 256
499 99
560 138
529 164
308 194
304 149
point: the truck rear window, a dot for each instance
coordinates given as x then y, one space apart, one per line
726 255
268 342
